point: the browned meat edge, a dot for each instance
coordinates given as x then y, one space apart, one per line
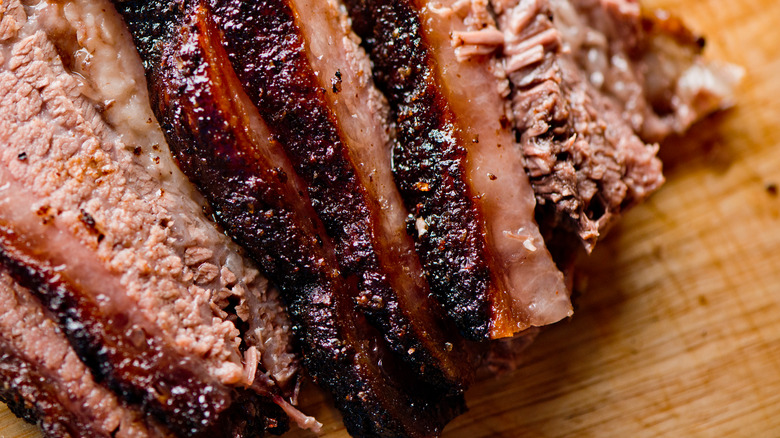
267 51
428 160
585 161
187 79
43 379
29 396
149 373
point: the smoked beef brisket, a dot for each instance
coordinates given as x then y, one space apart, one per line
413 177
177 328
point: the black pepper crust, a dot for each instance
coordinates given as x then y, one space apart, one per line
267 51
29 396
166 385
189 77
429 162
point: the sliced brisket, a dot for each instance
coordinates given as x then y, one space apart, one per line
392 222
157 303
228 149
458 169
305 89
43 376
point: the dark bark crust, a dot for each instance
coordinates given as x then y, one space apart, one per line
187 74
267 51
149 374
429 161
30 397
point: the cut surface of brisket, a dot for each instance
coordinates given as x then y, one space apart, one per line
586 163
120 346
158 304
343 160
593 80
43 375
227 149
460 172
126 313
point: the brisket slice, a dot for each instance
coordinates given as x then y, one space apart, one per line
114 79
296 63
458 167
125 351
44 381
592 81
224 145
157 303
648 62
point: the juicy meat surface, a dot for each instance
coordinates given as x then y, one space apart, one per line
84 177
459 171
70 178
119 345
42 373
343 168
224 145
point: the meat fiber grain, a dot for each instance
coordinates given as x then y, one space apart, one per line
83 181
458 169
592 82
42 374
221 140
585 162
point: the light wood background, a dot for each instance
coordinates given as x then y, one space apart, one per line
678 333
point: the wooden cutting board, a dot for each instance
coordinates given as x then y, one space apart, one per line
678 331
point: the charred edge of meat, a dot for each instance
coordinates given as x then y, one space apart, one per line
250 416
339 354
20 378
428 162
374 391
146 373
198 116
283 88
11 394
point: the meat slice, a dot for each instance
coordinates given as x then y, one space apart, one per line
45 381
222 143
585 163
458 167
592 81
120 346
309 86
129 259
648 61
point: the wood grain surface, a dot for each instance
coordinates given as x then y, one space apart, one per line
678 330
